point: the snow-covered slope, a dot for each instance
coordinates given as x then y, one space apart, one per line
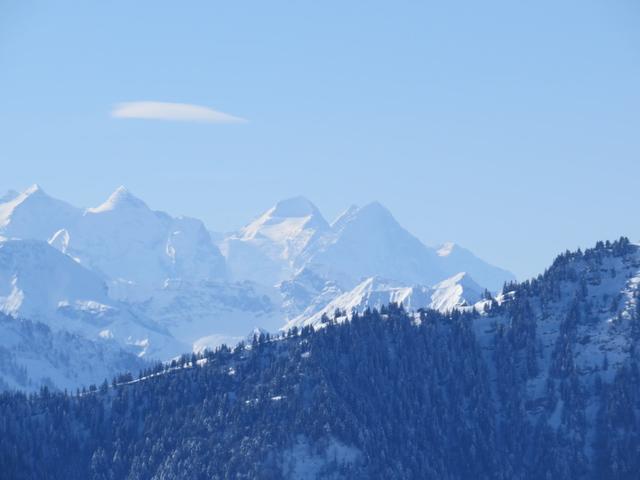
33 355
205 314
375 292
122 239
39 283
35 278
129 243
155 266
266 250
457 291
557 339
604 281
307 292
291 243
368 241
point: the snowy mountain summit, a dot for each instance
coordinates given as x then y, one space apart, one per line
33 214
367 241
266 250
121 198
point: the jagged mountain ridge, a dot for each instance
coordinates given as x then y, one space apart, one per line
168 284
455 292
122 239
361 243
368 241
141 254
266 249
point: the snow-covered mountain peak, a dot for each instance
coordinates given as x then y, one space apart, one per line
376 208
368 241
34 192
121 198
113 268
266 249
294 207
373 214
31 194
131 244
373 219
285 221
34 214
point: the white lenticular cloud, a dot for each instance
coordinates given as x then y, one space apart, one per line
182 112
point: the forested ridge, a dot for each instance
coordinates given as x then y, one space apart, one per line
540 382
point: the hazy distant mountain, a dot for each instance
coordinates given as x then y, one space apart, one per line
33 355
33 214
169 288
368 241
292 237
122 239
267 249
79 320
313 262
207 313
454 258
126 241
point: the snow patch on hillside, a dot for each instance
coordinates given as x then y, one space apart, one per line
307 460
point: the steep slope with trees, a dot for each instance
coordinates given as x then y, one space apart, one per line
540 382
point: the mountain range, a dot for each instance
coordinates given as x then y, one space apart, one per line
541 380
141 282
359 351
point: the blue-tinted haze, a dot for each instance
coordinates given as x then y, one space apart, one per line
512 128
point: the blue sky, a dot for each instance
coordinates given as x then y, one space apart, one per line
512 128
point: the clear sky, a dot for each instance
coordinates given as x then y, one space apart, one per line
510 127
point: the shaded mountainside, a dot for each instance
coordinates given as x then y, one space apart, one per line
540 382
563 350
33 355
